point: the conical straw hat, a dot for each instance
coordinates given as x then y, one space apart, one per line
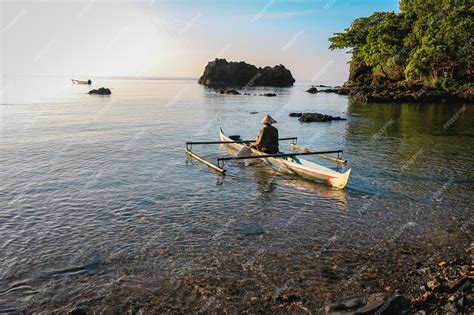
267 120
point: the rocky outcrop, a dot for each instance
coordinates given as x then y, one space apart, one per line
366 86
312 90
220 72
315 117
101 91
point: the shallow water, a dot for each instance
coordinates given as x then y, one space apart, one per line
100 207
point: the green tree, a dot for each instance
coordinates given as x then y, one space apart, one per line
426 39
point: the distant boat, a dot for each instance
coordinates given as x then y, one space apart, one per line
81 81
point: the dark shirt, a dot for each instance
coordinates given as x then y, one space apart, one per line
267 139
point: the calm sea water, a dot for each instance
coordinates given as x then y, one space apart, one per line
100 207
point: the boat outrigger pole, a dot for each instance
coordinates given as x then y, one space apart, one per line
337 159
277 155
218 168
189 144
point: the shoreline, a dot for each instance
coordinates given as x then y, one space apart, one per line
436 280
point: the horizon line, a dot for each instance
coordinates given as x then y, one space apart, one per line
129 77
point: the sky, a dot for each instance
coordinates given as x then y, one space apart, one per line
176 38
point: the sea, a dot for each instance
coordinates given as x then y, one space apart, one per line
100 208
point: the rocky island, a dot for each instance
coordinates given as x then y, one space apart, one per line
220 72
405 57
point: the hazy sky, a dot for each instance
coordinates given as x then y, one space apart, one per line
176 38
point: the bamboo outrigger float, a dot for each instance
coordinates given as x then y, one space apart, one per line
203 161
285 162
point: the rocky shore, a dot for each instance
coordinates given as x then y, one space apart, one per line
443 287
366 86
220 72
432 285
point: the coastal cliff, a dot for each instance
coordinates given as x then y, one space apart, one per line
220 72
421 54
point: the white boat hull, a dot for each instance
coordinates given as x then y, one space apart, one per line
297 166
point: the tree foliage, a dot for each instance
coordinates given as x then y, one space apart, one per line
427 38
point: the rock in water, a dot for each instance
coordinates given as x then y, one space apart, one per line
78 311
231 91
312 90
378 303
344 306
385 304
315 117
330 91
269 94
220 72
251 229
101 91
295 114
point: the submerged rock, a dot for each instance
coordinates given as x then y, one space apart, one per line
381 303
77 311
378 303
269 94
220 72
315 117
284 298
250 229
348 305
101 91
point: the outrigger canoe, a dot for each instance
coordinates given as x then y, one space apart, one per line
81 81
294 165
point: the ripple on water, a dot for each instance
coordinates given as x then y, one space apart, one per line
100 202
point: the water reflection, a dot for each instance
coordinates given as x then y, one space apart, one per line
268 179
337 197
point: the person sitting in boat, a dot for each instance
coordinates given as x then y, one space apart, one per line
267 139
